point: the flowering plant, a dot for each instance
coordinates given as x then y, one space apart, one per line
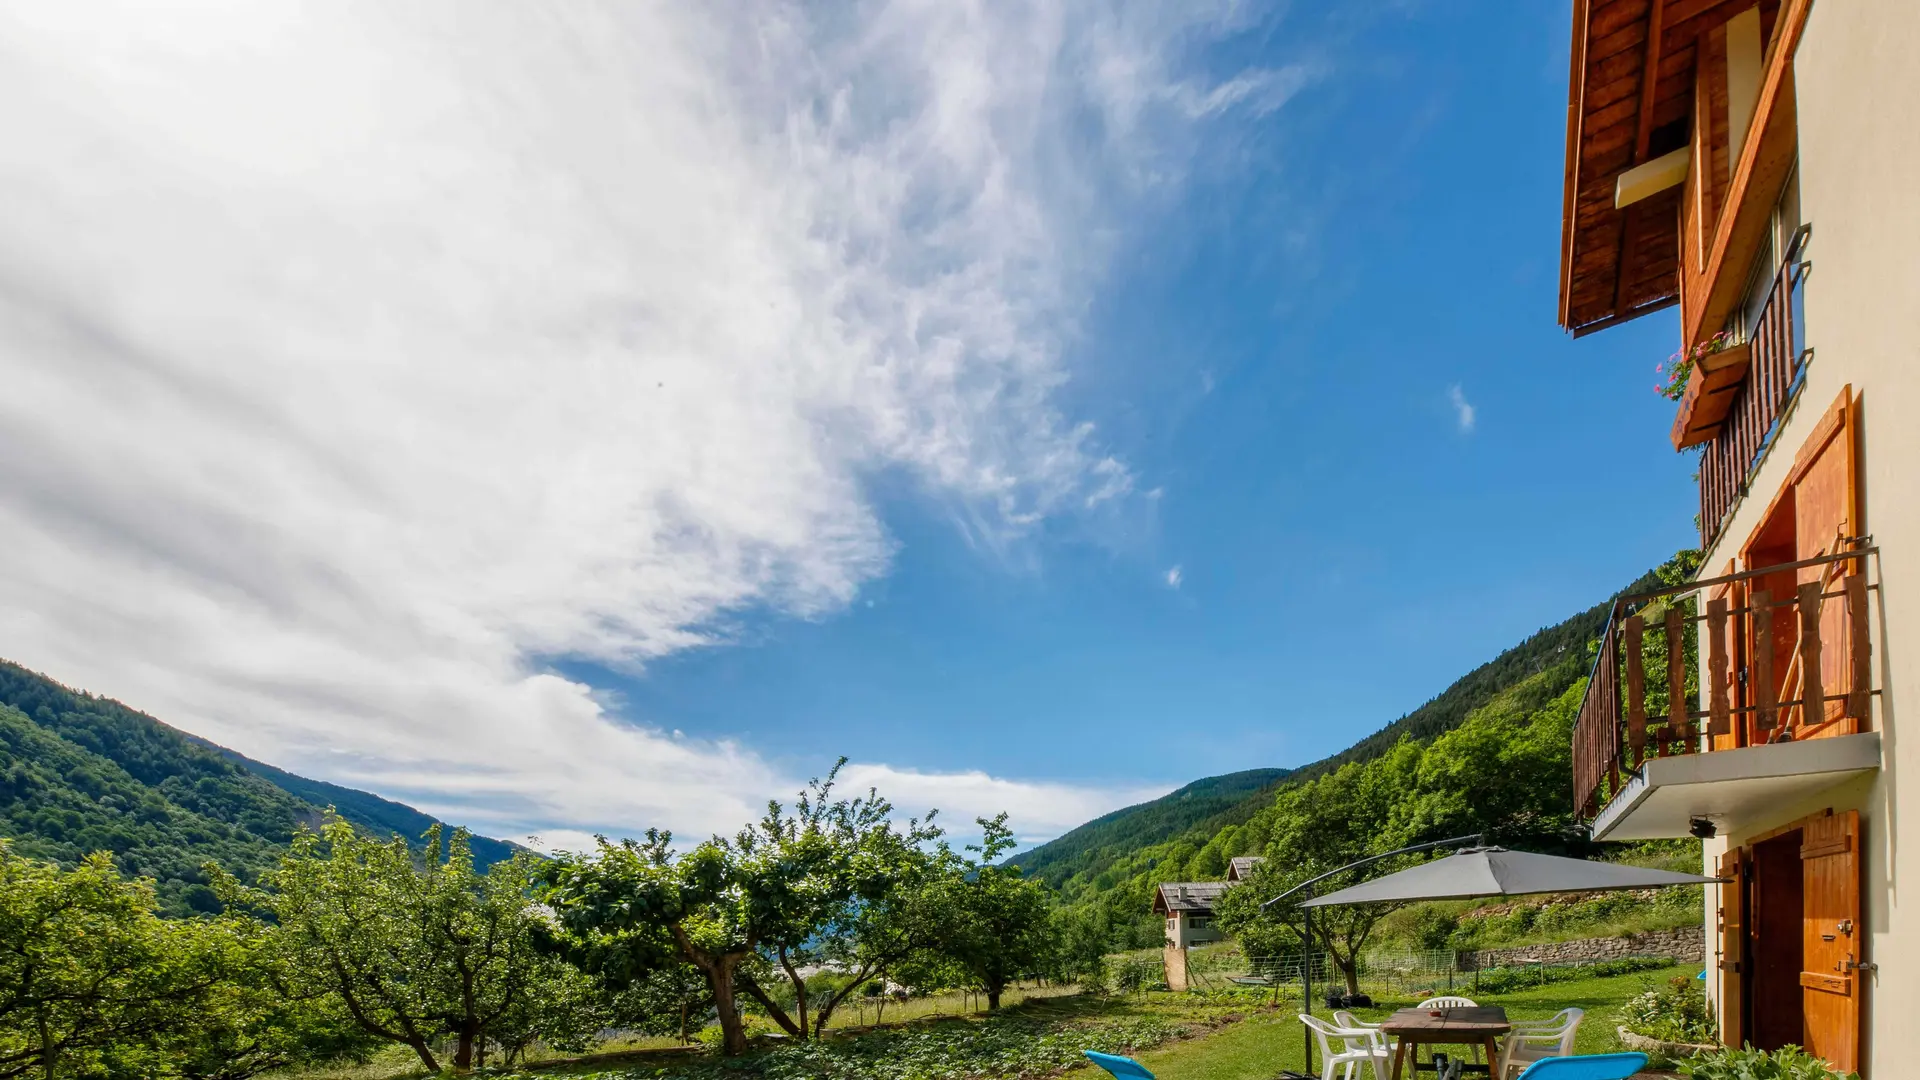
1676 369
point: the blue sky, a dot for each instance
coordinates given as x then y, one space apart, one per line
1278 355
581 418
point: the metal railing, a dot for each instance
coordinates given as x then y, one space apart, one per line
1788 655
1778 360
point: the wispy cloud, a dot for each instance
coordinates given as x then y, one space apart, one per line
362 358
1462 408
1175 576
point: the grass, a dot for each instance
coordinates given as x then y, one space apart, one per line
1233 1036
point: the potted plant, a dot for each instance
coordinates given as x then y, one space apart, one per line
1675 370
1786 1063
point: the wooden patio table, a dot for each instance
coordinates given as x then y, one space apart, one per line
1481 1026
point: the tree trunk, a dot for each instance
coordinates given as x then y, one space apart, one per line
835 998
683 1021
799 994
779 1015
426 1054
733 1036
463 1052
49 1054
993 995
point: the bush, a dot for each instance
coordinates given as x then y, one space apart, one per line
1676 1013
1432 928
1786 1063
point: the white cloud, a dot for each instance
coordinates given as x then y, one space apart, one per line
1462 408
361 359
1174 577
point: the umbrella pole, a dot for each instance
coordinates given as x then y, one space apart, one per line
1306 986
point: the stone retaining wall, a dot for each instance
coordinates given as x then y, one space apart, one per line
1686 943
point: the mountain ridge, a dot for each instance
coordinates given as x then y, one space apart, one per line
81 773
1163 818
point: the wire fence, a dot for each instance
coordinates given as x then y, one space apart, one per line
1397 973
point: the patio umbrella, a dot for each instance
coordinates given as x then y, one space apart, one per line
1495 871
1480 870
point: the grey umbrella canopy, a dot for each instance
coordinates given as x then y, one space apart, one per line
1494 871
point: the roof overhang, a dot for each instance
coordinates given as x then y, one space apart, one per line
1731 787
1630 94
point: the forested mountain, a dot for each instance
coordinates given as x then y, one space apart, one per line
1198 804
1488 753
80 773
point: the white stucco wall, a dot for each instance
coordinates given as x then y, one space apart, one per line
1857 76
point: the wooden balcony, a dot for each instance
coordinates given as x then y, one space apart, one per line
1788 659
1735 399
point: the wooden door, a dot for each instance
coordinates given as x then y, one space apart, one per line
1733 947
1825 512
1830 983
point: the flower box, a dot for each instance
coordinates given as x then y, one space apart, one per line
1709 395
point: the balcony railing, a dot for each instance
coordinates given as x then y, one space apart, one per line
1778 359
1788 656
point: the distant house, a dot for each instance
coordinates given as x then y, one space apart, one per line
1241 866
1188 907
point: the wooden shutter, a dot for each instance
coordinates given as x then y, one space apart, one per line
1825 496
1830 984
1720 672
1733 947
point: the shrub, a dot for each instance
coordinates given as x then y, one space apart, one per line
1676 1013
1786 1063
1432 928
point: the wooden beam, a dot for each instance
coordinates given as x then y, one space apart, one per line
1576 86
1636 688
1677 704
1858 647
1814 711
1761 675
1721 718
1649 75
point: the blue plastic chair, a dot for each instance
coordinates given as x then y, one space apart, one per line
1590 1067
1125 1067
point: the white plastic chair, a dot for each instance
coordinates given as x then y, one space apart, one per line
1452 1001
1345 1019
1357 1046
1532 1040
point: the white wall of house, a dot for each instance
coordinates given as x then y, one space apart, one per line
1184 928
1857 83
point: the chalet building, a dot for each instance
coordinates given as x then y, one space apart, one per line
1756 165
1240 866
1188 906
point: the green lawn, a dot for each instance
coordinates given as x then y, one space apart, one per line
1240 1038
1259 1047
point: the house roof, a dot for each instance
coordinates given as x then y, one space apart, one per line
1629 100
1195 897
1240 866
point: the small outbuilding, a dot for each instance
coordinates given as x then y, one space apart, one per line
1188 907
1240 867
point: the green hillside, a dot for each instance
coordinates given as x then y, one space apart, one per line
80 774
1510 719
1134 827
